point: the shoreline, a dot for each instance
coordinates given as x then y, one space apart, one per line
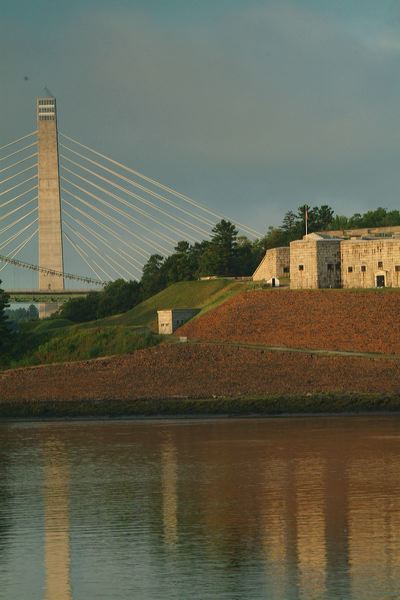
174 408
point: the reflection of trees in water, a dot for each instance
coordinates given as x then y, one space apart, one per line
5 493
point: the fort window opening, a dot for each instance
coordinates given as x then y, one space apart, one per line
301 267
330 267
380 264
349 269
363 269
397 268
286 269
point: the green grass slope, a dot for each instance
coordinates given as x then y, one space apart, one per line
185 294
59 340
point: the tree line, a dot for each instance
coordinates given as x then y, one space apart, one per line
226 254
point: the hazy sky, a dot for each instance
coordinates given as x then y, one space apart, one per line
252 107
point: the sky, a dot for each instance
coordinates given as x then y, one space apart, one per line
253 108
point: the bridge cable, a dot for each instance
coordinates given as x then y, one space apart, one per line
19 248
18 185
95 249
18 151
105 227
131 276
81 253
11 212
166 188
103 241
19 162
136 208
120 211
19 196
140 198
113 219
17 220
143 188
119 251
15 235
18 174
18 140
86 241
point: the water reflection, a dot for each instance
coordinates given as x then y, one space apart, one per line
286 510
310 525
56 524
169 492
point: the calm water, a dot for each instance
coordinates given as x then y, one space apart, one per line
247 509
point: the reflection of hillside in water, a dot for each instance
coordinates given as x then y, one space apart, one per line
284 509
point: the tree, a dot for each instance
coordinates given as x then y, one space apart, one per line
289 223
219 257
21 315
248 256
323 217
153 278
180 265
5 333
80 310
117 297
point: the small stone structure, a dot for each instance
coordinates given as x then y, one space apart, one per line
274 265
273 282
315 262
368 263
169 320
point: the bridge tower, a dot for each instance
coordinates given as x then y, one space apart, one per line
49 197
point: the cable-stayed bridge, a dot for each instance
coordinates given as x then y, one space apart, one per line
75 217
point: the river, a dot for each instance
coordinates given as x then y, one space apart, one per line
206 509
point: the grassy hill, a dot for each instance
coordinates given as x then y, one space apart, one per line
185 294
57 340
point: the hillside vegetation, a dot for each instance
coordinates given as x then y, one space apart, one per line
59 340
361 321
185 294
54 341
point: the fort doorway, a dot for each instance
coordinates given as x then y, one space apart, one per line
380 281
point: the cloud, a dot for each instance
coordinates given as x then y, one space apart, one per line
275 105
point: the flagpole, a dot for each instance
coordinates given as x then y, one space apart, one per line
306 220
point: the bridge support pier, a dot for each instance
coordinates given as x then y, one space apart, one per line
49 196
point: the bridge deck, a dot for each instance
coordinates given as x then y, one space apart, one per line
47 292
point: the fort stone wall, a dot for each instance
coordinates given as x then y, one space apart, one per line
315 263
370 263
276 263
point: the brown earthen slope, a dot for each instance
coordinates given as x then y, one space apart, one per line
317 319
199 371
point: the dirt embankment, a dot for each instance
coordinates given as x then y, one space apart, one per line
326 319
199 371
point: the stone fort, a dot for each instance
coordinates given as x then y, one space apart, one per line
356 259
